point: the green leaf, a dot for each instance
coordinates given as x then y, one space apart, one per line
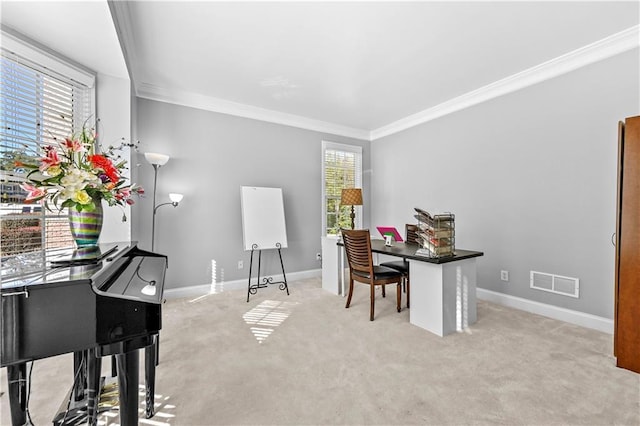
68 203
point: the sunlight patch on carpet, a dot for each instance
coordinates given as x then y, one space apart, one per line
266 316
164 411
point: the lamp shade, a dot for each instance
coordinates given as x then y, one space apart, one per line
156 159
149 289
351 197
175 198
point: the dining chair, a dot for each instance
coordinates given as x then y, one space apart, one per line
402 266
357 244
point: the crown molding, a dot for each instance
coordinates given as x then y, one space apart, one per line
123 23
196 100
602 49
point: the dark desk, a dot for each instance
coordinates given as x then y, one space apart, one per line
443 289
408 251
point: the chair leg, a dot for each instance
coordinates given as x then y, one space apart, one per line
350 292
384 293
408 291
399 296
373 295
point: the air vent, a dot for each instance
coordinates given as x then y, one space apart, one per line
558 284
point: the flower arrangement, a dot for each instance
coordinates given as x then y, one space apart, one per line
71 174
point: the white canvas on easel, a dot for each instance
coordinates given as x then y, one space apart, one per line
263 222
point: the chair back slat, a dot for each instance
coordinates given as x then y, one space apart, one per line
357 244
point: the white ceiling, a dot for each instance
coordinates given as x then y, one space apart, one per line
357 66
83 31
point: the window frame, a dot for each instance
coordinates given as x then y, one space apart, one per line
355 149
22 53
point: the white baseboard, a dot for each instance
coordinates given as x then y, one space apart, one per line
567 315
202 289
574 317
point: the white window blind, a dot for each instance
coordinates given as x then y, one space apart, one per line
37 105
341 168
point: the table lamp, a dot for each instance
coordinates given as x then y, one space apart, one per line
351 197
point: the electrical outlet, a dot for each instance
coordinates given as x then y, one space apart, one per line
504 275
240 264
318 256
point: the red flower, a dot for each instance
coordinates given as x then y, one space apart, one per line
102 162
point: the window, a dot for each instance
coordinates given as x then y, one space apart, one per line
341 168
38 103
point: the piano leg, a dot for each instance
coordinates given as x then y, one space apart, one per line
17 378
79 371
114 369
150 359
94 367
128 370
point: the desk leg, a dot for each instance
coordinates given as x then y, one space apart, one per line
341 272
443 296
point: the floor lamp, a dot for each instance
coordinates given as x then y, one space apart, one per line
157 161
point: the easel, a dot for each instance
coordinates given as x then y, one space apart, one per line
253 289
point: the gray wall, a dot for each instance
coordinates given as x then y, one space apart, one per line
135 165
113 106
212 156
530 176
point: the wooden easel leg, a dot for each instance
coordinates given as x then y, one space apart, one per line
259 266
250 270
253 289
284 276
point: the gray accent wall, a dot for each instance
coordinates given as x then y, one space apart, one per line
530 176
135 164
113 107
212 156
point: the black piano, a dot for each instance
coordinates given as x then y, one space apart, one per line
95 302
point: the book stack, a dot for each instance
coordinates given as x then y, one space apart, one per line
436 234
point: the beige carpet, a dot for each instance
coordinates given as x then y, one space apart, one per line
305 359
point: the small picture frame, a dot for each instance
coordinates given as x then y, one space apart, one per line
390 230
